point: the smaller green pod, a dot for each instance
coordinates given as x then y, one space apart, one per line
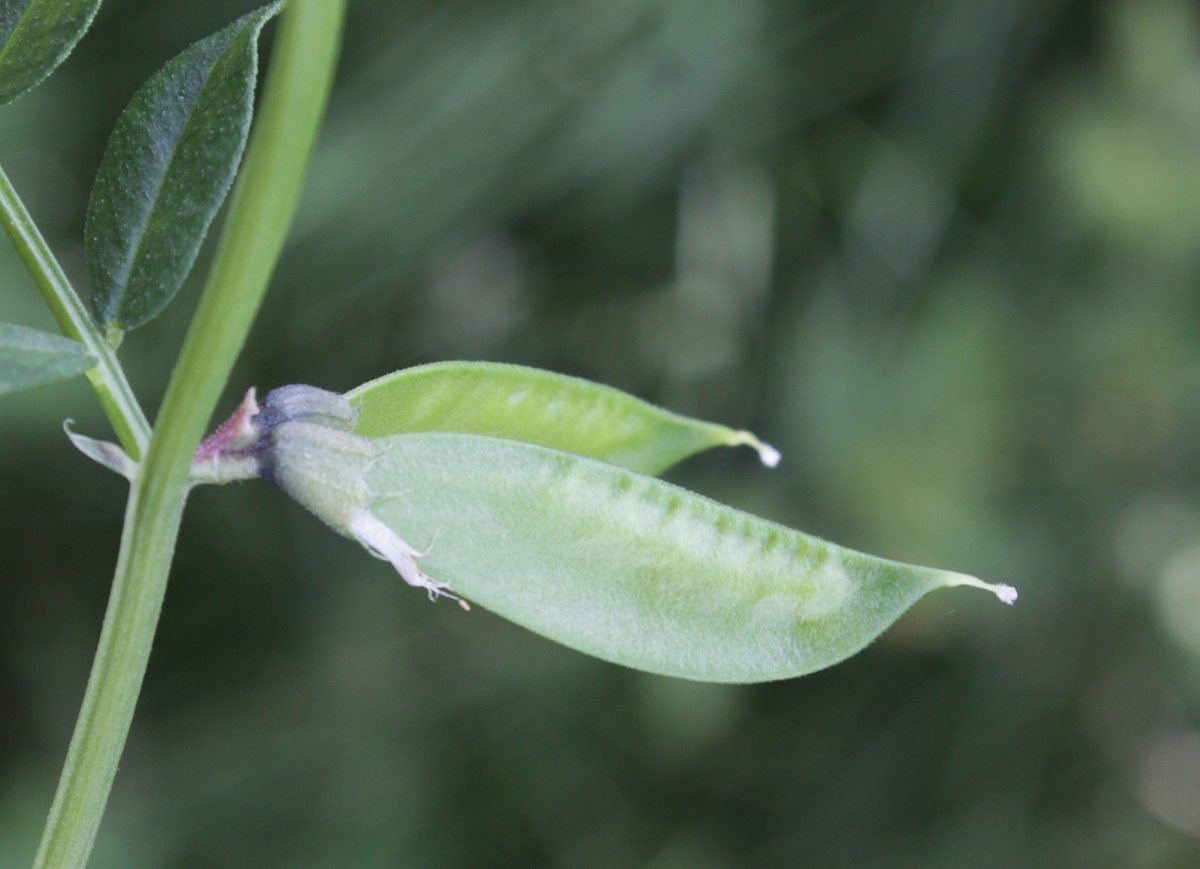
540 407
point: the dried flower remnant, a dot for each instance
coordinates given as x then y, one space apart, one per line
302 439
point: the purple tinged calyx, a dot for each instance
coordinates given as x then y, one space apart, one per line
241 447
227 454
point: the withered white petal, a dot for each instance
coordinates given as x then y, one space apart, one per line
382 542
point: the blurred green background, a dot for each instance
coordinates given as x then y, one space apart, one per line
945 254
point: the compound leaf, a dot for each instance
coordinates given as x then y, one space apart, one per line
538 407
35 37
168 165
29 357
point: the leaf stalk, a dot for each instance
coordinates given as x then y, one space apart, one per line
107 378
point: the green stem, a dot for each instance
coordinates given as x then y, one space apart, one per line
264 200
116 397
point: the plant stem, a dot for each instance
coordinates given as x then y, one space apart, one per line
264 200
108 379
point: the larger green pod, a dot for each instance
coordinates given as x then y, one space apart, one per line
632 569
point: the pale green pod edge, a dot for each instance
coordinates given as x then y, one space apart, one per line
632 569
539 407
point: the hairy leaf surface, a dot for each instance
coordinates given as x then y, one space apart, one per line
632 569
169 163
35 37
538 407
30 357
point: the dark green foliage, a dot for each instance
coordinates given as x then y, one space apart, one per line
36 36
29 357
168 165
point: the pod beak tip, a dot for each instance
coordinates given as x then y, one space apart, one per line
1006 593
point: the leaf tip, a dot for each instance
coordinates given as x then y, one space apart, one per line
1006 593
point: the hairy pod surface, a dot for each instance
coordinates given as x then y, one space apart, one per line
635 570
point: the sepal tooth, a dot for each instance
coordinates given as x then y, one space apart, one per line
103 452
